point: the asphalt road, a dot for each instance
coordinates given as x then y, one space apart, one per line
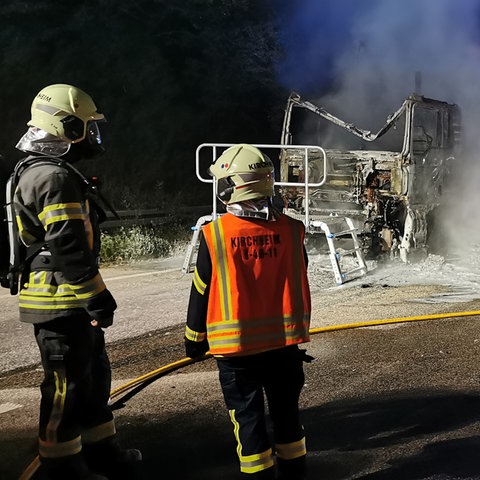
389 402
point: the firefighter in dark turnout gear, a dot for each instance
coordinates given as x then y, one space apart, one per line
250 307
62 292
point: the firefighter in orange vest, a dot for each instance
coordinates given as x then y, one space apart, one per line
62 292
250 307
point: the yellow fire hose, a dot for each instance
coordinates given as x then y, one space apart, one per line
160 372
156 373
372 323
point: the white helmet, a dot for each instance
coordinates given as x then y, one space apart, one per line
243 173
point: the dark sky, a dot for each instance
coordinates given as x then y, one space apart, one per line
166 87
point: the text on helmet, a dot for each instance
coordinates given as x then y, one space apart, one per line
43 96
254 166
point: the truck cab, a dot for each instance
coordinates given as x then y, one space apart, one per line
390 182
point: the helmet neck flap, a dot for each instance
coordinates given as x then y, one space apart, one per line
260 208
40 142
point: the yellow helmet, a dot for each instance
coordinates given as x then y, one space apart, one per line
66 112
242 173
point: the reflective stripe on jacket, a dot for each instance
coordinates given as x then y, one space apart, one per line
51 206
45 291
259 296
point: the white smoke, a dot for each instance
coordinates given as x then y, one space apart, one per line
389 41
394 39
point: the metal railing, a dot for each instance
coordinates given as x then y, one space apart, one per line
305 184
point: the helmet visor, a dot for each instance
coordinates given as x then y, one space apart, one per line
92 144
93 133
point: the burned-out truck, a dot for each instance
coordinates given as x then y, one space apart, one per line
389 183
370 195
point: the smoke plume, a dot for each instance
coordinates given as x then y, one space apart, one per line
360 59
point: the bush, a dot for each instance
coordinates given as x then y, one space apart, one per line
127 244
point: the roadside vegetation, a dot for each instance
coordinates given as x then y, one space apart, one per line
128 244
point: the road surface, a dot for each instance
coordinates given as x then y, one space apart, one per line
386 402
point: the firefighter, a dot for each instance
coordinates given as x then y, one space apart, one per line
62 292
250 308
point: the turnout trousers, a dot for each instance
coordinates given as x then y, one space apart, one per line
277 374
76 386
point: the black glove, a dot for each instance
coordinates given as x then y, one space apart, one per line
195 349
101 308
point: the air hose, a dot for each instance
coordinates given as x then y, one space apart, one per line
137 384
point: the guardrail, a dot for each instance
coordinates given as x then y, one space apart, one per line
151 216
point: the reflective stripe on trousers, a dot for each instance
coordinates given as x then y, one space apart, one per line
76 386
280 373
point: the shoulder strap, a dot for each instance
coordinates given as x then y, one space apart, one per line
94 194
20 256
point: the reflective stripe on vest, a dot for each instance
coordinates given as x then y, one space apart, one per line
223 275
252 264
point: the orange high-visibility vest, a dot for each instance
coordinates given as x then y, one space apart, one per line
259 294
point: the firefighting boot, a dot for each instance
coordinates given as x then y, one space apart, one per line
111 460
268 474
72 467
295 469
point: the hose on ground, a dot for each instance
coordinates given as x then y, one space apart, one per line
136 385
187 361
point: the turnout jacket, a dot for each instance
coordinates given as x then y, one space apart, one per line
52 207
250 288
